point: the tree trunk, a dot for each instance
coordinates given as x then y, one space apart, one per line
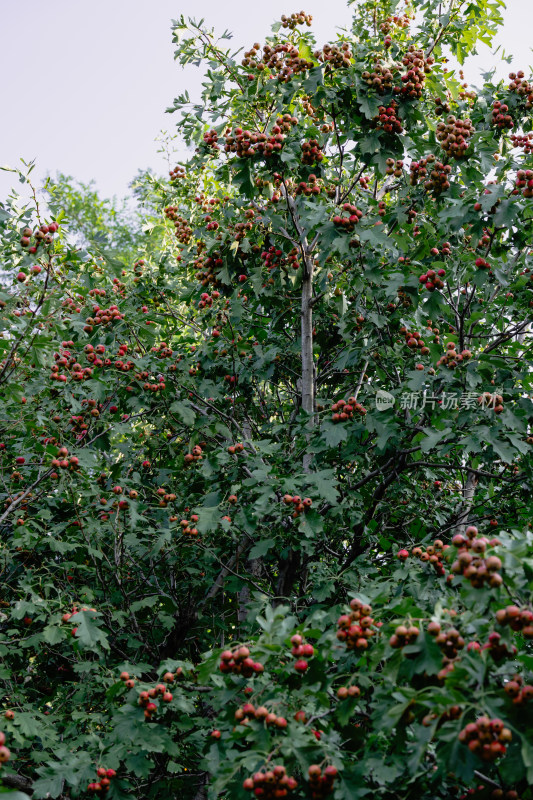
468 499
308 366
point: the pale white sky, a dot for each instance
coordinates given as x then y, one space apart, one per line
85 85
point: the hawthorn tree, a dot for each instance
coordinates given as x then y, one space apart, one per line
265 519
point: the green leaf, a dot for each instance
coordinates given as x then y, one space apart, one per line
261 548
334 434
87 632
184 412
53 634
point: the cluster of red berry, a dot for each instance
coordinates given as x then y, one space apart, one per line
522 87
394 168
103 316
437 181
441 107
486 737
417 69
194 455
138 268
247 144
524 140
177 173
207 270
301 650
517 619
68 362
355 629
183 229
380 79
211 224
235 448
402 21
433 279
498 649
343 692
472 562
93 354
43 235
187 526
517 691
403 636
449 641
335 56
452 358
500 117
311 188
491 400
147 697
413 340
282 58
524 182
61 462
5 753
261 713
433 553
321 783
388 120
453 135
271 784
299 505
206 300
238 662
104 780
311 152
343 411
274 258
210 139
298 18
348 222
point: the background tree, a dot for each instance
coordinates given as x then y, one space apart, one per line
293 428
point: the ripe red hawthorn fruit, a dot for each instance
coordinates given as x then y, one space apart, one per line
21 277
5 754
402 554
215 734
301 665
20 460
9 714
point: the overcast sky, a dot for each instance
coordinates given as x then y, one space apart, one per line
85 85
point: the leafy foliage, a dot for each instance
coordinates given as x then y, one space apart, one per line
266 451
